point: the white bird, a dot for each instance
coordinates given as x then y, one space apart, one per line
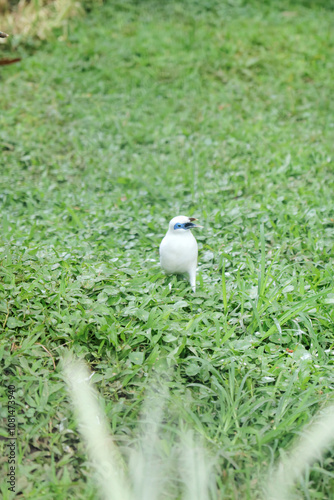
179 250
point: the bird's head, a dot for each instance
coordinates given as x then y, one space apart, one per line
182 223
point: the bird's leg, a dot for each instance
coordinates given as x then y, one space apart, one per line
192 279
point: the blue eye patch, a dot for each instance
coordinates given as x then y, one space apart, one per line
185 225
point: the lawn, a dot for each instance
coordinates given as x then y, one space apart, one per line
221 110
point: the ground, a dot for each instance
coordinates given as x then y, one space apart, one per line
143 111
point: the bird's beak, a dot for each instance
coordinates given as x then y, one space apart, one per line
193 225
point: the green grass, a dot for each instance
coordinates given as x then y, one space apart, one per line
222 110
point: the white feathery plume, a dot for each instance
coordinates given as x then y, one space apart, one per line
102 451
315 440
196 469
150 472
146 466
152 476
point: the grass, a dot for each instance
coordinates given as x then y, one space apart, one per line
222 110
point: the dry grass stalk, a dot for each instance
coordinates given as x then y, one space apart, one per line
37 18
